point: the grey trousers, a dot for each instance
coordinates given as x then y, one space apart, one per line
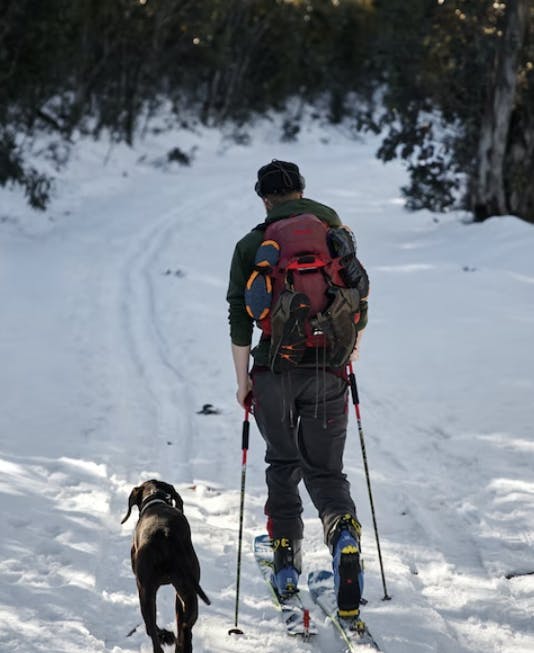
302 416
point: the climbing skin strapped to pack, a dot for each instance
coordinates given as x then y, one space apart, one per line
305 291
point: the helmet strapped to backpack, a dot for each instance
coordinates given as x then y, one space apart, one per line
301 293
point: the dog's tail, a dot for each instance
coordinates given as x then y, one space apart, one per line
202 594
188 553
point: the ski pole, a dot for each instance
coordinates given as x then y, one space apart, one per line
244 450
356 402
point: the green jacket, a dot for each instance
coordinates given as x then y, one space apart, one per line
242 266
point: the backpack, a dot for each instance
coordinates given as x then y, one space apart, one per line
305 291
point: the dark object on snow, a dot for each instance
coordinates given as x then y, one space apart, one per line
177 273
208 409
179 156
133 630
162 554
518 574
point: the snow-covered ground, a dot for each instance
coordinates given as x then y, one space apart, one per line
113 335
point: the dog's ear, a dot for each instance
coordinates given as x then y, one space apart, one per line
178 502
133 500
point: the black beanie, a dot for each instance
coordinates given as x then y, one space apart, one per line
279 178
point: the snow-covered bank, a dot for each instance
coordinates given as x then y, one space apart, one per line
113 335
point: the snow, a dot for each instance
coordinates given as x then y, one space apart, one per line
114 335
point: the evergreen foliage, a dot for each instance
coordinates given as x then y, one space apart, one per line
439 73
422 71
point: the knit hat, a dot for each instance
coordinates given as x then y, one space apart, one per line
279 178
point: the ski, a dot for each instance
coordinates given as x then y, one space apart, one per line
295 616
354 633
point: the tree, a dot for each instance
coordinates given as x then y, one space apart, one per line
451 82
96 66
489 191
458 80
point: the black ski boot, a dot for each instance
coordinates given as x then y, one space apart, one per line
287 564
347 567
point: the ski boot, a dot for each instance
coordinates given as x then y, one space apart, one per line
347 567
286 566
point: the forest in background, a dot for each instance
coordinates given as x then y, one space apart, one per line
448 83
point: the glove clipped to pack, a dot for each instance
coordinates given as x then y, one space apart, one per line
342 245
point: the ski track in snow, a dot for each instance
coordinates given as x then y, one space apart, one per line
139 355
163 382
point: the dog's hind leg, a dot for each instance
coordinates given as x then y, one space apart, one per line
186 616
179 610
188 640
147 601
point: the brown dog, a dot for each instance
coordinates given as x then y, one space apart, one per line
163 554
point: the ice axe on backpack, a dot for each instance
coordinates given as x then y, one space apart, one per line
244 450
356 402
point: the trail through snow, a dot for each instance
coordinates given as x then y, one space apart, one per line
113 336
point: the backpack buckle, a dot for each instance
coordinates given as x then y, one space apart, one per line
308 262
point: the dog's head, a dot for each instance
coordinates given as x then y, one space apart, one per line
153 489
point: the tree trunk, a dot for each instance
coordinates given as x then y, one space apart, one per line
489 197
520 166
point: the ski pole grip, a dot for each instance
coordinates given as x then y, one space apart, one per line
246 423
246 431
353 387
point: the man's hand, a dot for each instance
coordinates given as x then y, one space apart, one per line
243 393
356 351
244 384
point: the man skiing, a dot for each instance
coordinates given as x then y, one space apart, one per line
299 397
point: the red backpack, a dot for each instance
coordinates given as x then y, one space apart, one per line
300 263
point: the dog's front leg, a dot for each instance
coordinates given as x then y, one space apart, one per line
147 601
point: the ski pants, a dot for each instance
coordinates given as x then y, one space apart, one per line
302 416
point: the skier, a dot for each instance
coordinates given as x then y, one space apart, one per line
300 407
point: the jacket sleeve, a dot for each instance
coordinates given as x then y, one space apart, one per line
363 287
241 324
362 322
